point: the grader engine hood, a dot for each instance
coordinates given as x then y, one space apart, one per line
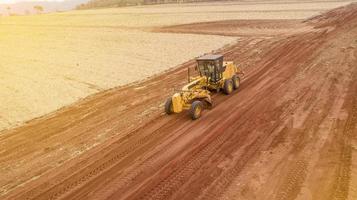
182 99
191 85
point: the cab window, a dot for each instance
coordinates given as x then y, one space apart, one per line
206 67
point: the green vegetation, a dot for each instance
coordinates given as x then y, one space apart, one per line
38 9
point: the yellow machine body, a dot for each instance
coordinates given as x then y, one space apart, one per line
210 78
192 91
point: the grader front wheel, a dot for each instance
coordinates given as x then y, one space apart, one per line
168 106
196 109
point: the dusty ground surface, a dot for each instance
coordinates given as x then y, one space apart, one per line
50 61
288 133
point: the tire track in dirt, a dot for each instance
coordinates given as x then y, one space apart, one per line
215 192
308 143
122 151
341 186
199 164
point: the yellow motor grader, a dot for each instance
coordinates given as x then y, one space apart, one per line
212 74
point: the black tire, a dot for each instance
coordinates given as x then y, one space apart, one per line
168 106
236 81
228 86
196 110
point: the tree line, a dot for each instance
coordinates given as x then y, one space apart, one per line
120 3
37 8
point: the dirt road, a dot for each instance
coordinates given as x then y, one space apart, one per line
288 133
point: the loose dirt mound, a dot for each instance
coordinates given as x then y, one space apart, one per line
335 17
288 133
250 28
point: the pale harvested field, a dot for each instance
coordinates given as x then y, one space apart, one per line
53 60
51 67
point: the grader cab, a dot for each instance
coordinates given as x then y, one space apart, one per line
212 74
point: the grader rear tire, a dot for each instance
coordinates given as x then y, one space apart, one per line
228 86
236 81
168 106
196 110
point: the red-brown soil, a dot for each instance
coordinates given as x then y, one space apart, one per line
244 28
288 133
